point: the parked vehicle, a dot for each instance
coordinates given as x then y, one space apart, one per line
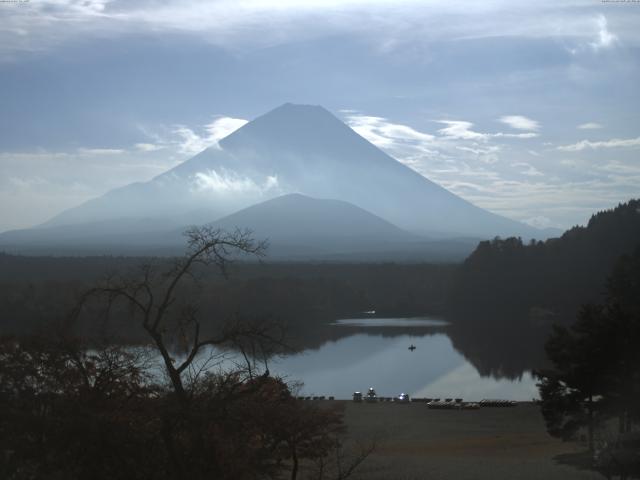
492 402
441 405
357 396
402 398
371 396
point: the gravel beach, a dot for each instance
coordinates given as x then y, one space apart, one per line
415 442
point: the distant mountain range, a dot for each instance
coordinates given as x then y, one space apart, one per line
296 227
372 202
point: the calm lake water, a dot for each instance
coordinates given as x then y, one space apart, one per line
374 352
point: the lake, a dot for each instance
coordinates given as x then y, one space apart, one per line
374 352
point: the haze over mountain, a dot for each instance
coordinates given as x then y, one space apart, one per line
295 226
291 149
301 227
298 217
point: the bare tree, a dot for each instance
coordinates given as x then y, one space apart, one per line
232 424
152 297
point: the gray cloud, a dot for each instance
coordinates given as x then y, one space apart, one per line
237 25
414 62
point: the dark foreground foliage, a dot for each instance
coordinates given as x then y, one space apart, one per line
73 413
73 410
596 376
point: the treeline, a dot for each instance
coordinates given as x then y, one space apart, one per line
36 291
546 282
507 296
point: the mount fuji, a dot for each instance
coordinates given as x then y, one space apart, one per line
291 149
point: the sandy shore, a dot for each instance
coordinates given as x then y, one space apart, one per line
415 442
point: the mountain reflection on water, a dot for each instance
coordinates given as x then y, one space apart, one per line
354 354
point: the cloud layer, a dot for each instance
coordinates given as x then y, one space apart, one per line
613 143
47 182
250 23
192 143
541 189
528 109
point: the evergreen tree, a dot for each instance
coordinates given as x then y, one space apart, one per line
596 361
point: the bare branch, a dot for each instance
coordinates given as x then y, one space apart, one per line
152 296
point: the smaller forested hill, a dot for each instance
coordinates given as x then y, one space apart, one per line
546 281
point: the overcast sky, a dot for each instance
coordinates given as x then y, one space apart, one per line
529 109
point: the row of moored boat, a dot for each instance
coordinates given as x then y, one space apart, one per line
435 403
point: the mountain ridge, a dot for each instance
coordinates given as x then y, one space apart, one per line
296 227
269 215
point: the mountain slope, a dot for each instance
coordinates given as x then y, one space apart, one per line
300 227
298 217
297 148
